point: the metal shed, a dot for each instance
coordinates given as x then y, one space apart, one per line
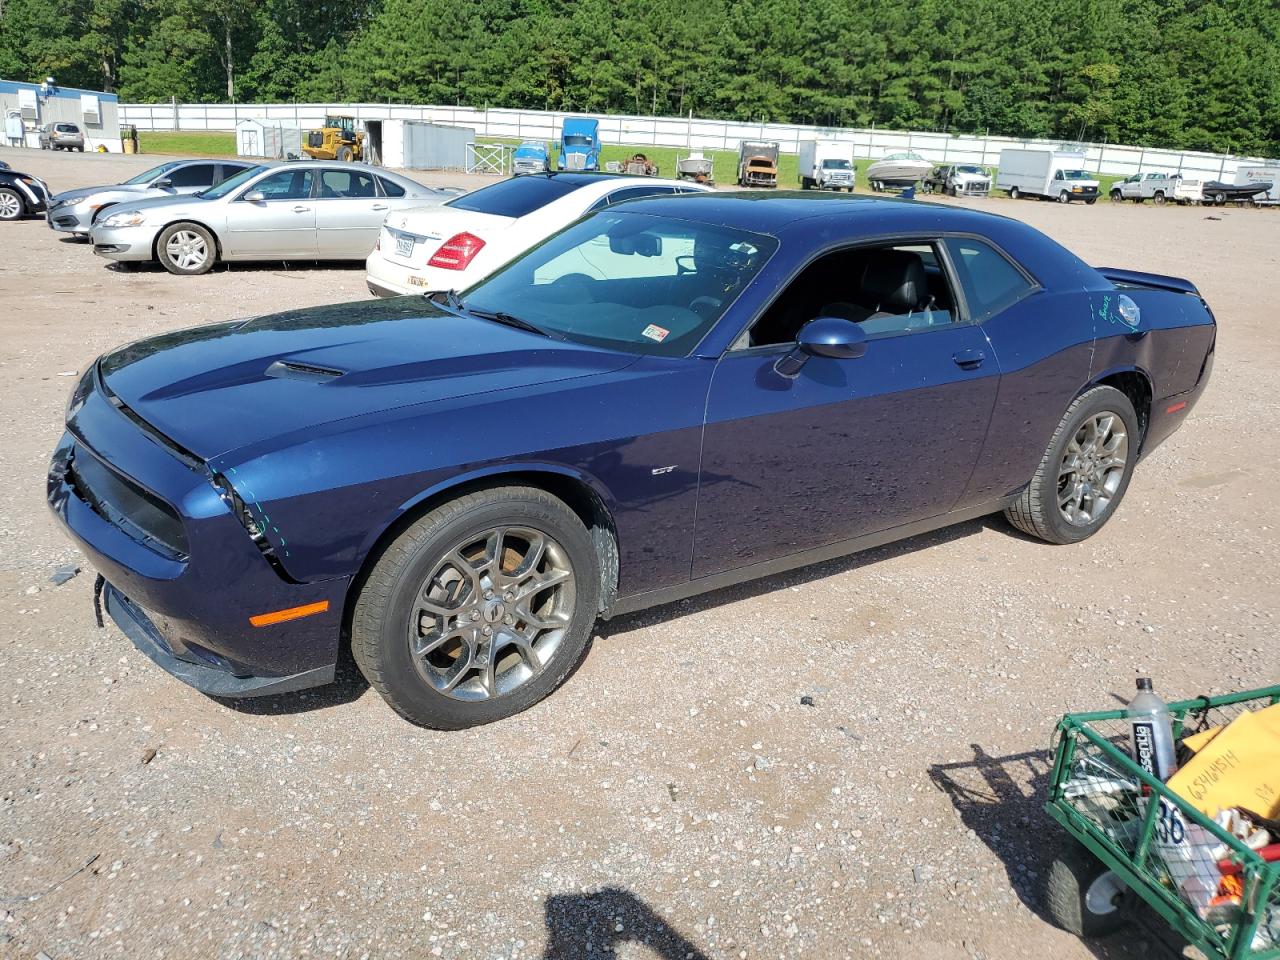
259 137
417 145
93 111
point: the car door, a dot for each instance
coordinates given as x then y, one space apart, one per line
349 213
848 447
279 222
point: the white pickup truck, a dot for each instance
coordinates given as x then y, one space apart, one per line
1158 187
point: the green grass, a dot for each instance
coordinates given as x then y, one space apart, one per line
194 142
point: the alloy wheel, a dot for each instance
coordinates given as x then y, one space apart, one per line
187 249
492 613
1092 468
10 207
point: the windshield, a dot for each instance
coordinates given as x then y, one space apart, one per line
154 172
231 183
576 140
836 165
1075 175
971 169
627 281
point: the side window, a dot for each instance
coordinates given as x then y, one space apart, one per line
228 170
346 185
635 193
286 185
991 283
390 188
196 175
888 290
1058 176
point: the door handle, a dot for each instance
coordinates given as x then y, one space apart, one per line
969 359
301 209
379 206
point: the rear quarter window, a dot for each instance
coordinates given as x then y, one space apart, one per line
517 197
991 282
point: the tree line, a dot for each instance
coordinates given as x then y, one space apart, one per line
1189 74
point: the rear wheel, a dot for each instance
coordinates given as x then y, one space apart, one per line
1220 199
1159 198
1084 472
11 205
1014 193
479 609
1084 897
186 249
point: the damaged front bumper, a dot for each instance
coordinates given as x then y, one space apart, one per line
183 577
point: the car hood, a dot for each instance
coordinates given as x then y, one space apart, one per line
168 202
106 188
220 388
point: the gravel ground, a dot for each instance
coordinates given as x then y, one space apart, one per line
675 799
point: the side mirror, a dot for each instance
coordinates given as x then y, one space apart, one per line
255 196
164 183
832 337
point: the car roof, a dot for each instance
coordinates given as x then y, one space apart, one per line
775 211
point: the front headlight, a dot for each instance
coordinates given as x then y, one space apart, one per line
125 218
71 201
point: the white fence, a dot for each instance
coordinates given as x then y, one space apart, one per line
683 132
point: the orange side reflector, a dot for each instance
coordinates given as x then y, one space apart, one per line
293 613
1175 407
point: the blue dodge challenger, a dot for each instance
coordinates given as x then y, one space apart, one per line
669 396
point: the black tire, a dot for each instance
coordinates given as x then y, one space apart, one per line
805 183
384 606
1091 201
177 268
949 191
1159 198
1082 898
81 149
344 154
1064 197
1014 193
1036 511
1220 199
12 206
1117 196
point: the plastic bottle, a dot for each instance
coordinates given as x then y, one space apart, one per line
1152 732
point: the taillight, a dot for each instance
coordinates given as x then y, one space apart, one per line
457 252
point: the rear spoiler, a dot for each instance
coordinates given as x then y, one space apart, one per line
1157 280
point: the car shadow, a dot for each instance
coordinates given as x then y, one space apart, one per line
1000 798
591 926
265 266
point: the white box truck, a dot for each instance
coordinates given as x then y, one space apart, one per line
1046 173
826 164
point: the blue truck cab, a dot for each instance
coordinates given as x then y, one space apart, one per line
579 144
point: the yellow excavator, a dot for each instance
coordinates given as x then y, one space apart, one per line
336 140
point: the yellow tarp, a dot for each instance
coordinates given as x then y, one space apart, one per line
1240 767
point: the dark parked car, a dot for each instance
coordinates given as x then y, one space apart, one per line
61 136
669 396
21 195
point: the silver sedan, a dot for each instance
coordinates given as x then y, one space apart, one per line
295 210
75 211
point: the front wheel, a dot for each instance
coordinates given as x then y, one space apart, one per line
1064 197
11 205
1117 196
344 154
186 249
1085 471
1091 201
479 609
1084 897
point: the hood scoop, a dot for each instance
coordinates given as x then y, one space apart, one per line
297 370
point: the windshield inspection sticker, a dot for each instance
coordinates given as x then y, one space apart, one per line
655 332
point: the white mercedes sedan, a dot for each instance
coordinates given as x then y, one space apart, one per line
462 241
